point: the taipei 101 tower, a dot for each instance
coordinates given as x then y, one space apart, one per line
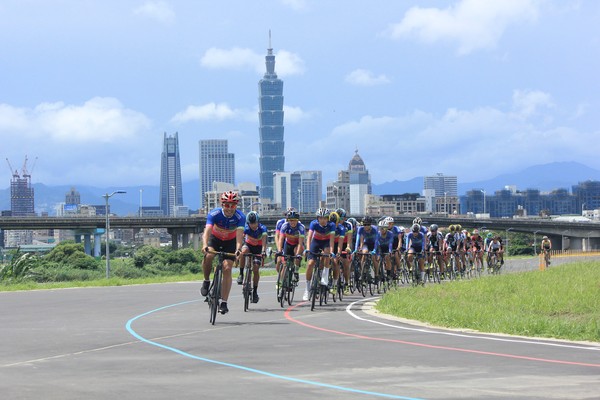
270 116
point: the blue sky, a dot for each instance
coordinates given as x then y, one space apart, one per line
468 88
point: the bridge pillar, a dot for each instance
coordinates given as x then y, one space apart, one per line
174 239
87 244
77 237
97 245
196 241
185 239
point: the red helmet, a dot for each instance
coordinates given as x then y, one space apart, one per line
230 197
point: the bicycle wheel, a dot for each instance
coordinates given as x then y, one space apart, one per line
214 294
247 288
314 287
284 287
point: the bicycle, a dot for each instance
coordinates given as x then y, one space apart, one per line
435 275
452 270
494 266
317 289
381 282
214 291
547 258
252 260
404 270
286 284
416 271
478 263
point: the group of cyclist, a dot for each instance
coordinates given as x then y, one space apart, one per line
331 236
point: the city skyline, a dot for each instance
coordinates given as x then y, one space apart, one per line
472 91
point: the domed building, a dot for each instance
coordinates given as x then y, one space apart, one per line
349 191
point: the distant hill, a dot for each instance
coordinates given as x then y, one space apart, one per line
544 177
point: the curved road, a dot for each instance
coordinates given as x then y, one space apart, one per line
155 342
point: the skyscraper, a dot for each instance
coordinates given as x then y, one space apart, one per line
216 165
171 191
270 114
300 189
443 185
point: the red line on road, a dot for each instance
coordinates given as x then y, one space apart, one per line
430 346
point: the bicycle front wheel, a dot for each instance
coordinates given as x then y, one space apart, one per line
214 295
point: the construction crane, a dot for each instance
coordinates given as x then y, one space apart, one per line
13 171
24 172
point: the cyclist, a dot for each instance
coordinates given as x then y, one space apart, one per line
486 244
435 245
278 225
346 248
415 243
366 239
385 240
338 246
495 246
477 245
255 242
320 238
397 238
291 239
224 231
451 246
546 246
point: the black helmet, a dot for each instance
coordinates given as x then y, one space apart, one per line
367 220
252 217
293 215
341 212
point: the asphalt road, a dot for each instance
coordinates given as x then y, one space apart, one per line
155 342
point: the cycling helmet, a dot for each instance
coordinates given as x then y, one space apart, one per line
341 212
293 215
433 227
417 221
230 197
452 228
353 222
334 217
545 238
252 217
475 231
489 235
458 228
389 220
367 220
382 223
416 228
402 229
323 212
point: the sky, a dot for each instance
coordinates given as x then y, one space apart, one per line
471 88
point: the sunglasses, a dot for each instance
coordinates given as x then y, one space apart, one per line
229 205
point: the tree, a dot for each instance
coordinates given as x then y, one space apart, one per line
19 267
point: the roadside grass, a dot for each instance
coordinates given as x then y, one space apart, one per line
113 281
562 302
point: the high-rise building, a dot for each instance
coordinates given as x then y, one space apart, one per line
270 115
21 205
300 189
171 190
443 185
216 165
350 190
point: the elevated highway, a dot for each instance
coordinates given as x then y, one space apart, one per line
576 232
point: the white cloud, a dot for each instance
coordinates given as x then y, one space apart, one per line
160 11
527 102
100 119
286 63
294 114
296 5
206 112
362 77
472 24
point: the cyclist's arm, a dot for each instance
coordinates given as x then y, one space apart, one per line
239 239
206 235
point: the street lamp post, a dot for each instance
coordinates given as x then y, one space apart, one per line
535 242
106 197
483 191
300 201
445 204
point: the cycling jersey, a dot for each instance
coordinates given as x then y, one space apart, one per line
349 232
415 241
369 238
321 232
385 241
224 228
292 234
451 241
435 240
254 237
477 242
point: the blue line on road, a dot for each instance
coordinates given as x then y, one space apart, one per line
252 370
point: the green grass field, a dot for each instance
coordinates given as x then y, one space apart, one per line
562 302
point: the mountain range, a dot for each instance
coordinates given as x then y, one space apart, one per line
545 177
